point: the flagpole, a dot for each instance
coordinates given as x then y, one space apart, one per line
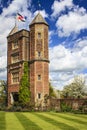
15 20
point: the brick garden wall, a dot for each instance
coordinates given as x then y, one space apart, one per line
73 103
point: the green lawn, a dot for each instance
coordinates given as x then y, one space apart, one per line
42 121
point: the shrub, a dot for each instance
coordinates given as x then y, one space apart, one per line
65 107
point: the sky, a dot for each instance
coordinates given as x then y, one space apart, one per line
67 21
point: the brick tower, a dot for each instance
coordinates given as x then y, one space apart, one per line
31 46
39 71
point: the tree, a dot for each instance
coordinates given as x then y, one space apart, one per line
24 91
51 91
85 90
74 89
3 92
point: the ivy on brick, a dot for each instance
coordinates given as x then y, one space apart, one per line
24 90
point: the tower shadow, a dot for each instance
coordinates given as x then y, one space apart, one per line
27 123
2 121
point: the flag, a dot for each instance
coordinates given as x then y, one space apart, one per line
21 17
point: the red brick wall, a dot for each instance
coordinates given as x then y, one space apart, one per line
73 103
46 78
23 41
32 43
32 81
46 42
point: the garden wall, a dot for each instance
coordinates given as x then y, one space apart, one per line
75 104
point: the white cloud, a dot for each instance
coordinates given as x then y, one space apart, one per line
3 75
81 43
84 52
51 33
7 22
65 63
60 79
15 6
61 5
3 61
63 59
74 22
42 12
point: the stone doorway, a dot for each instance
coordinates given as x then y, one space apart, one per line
14 97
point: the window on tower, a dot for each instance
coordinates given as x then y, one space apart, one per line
39 35
39 95
15 58
15 45
15 77
39 77
39 53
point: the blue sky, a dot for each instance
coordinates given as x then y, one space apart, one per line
67 21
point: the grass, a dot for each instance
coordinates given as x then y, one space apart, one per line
42 121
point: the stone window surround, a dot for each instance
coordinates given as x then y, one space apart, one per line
15 44
15 58
15 77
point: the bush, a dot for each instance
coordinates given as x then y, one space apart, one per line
2 107
65 107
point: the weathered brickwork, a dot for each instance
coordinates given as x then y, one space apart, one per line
31 46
